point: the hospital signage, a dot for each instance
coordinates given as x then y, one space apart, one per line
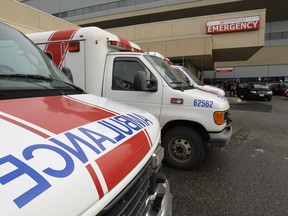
224 70
233 25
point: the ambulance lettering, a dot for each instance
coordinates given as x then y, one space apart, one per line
70 147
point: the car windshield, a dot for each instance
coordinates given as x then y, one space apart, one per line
260 86
23 65
167 73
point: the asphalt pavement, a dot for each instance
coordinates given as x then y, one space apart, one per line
246 177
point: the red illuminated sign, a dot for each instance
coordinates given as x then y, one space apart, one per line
233 25
223 70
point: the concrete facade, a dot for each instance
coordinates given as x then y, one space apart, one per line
28 19
186 39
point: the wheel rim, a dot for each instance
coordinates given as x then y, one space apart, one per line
181 150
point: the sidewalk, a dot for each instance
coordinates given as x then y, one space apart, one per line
233 99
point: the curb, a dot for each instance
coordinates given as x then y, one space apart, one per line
234 99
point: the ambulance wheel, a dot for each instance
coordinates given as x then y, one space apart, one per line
183 148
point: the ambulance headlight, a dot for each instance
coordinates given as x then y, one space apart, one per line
157 157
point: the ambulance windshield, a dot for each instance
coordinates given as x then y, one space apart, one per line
167 73
189 73
23 65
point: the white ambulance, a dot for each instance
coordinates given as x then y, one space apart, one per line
193 80
189 77
107 65
66 152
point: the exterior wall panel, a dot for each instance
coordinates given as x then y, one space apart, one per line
28 19
51 6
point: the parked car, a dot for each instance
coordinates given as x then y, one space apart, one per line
254 90
278 88
286 93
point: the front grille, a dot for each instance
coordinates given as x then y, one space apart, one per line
132 200
227 117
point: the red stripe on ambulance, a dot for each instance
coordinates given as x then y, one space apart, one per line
123 159
22 125
56 114
68 124
95 180
204 90
58 50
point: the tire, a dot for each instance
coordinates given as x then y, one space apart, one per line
183 148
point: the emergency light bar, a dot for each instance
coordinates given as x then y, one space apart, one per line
122 46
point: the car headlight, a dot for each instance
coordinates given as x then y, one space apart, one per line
253 92
269 92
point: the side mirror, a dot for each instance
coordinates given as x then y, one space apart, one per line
188 82
68 73
49 54
142 83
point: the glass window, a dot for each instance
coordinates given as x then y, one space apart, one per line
87 10
124 70
63 14
267 36
285 35
112 5
70 13
122 3
103 7
192 76
95 8
22 61
78 12
276 36
167 73
140 1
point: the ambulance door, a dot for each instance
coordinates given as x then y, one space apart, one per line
75 60
119 84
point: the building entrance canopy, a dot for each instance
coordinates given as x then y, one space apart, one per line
202 40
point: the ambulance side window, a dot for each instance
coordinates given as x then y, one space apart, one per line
124 70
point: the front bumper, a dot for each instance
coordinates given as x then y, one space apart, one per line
260 96
160 204
218 140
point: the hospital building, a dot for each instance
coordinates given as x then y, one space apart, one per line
216 39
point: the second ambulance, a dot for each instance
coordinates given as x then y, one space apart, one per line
104 64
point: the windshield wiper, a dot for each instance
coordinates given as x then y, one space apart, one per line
29 76
176 82
73 86
180 87
40 77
